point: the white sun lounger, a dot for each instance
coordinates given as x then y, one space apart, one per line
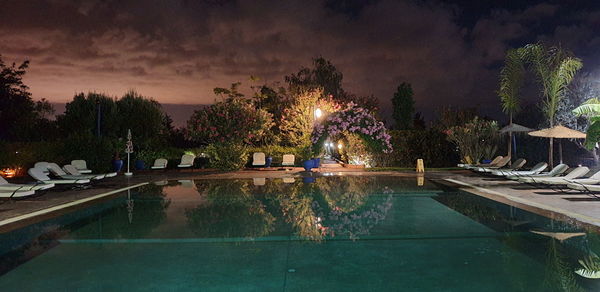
40 176
57 171
81 166
557 170
6 186
72 170
160 163
592 180
187 160
258 159
288 160
534 170
575 173
469 166
15 194
501 163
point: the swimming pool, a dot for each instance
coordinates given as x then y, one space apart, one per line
336 233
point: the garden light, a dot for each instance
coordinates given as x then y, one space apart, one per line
318 113
340 145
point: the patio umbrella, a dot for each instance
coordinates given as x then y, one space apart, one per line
510 129
559 132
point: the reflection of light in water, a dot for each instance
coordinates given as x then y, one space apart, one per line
187 183
259 181
420 180
560 236
129 206
161 183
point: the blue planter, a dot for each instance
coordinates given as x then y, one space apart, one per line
117 165
316 162
268 161
308 164
139 164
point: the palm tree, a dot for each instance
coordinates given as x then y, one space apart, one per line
511 81
591 110
555 69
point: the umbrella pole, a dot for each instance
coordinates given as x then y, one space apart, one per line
509 145
550 150
560 150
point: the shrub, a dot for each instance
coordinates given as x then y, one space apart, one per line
97 152
475 140
25 155
232 121
428 144
227 156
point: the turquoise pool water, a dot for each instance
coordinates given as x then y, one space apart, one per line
347 233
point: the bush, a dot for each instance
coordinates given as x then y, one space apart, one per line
428 144
227 156
25 155
97 152
232 121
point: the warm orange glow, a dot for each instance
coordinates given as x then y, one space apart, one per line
9 172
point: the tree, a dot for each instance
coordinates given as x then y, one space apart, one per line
20 116
578 111
229 93
323 75
404 106
555 69
144 116
298 118
326 77
233 121
511 81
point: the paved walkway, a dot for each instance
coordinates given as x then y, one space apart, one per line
569 206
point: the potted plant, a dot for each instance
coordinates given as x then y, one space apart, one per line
117 162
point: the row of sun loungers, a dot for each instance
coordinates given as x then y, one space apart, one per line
558 177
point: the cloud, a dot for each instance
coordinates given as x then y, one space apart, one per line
177 51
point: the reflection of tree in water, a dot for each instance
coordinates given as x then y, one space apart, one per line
471 207
347 193
230 211
333 206
296 206
559 274
149 205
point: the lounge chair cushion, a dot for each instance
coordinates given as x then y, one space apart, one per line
81 166
187 160
288 160
258 159
160 163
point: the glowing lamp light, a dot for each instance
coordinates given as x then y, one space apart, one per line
8 172
318 113
340 146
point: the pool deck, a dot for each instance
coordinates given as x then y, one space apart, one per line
572 207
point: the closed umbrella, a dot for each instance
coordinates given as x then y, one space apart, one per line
559 132
513 128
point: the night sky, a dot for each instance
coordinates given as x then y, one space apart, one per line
177 51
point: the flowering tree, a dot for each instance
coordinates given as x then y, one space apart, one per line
233 121
298 119
355 120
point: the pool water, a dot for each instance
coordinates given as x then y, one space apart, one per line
338 233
